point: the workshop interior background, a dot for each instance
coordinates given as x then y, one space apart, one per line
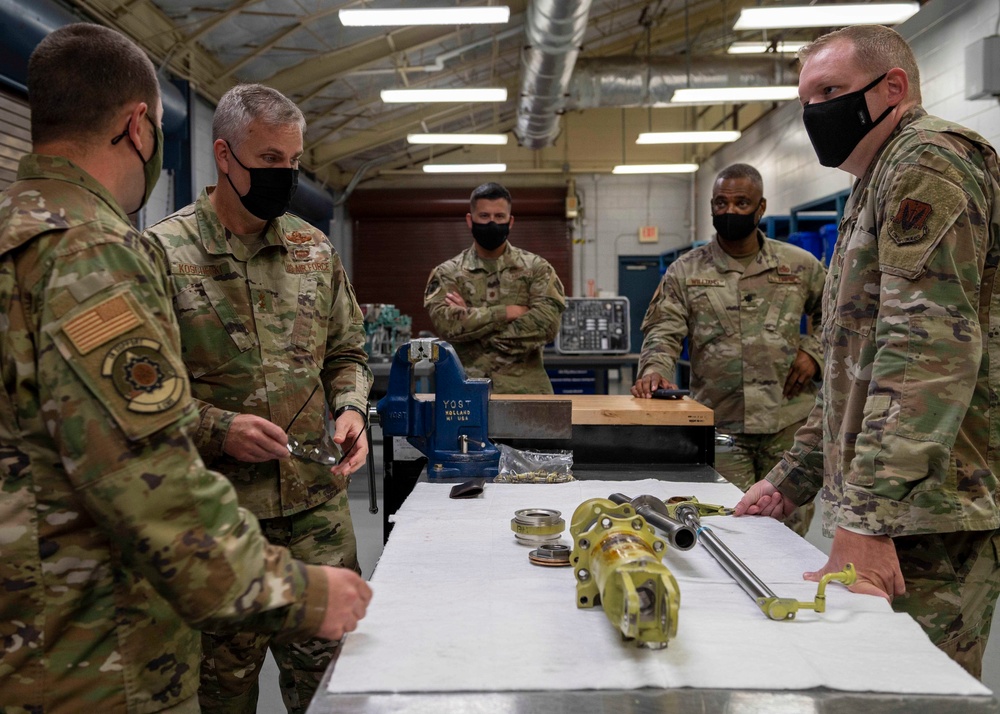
591 224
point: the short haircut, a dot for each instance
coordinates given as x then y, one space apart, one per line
490 192
742 171
80 77
246 103
877 49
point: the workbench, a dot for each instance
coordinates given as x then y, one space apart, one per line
461 622
616 433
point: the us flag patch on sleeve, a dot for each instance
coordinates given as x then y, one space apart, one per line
101 323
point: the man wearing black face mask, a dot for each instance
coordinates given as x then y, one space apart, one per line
498 305
117 544
907 417
274 341
739 302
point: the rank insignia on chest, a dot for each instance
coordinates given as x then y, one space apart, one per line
910 222
298 238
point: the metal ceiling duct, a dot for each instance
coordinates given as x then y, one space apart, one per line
555 30
643 82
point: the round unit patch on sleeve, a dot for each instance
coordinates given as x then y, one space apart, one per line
142 375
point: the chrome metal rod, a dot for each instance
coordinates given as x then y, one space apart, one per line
372 495
730 562
680 536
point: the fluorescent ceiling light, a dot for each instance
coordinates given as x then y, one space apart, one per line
687 137
369 17
464 168
718 95
832 15
756 48
478 139
397 96
655 169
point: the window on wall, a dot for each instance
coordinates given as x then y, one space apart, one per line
15 135
401 235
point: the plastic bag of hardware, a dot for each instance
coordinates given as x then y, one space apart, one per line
520 466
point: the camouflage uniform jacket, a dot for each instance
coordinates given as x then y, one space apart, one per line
261 329
907 414
115 540
510 353
743 330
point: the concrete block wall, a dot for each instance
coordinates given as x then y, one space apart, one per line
614 207
779 147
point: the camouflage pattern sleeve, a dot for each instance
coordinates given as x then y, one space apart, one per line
932 233
665 326
810 343
213 423
345 373
111 375
799 474
456 324
538 326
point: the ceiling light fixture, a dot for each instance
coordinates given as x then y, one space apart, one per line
687 137
470 139
654 169
370 17
399 96
832 15
464 168
719 95
756 48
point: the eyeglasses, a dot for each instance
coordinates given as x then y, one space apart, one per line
327 452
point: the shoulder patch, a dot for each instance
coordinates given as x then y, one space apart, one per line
921 207
142 375
910 222
101 323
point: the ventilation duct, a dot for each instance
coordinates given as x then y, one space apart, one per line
628 82
555 30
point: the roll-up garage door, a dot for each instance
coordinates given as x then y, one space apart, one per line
15 135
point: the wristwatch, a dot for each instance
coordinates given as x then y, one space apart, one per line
352 408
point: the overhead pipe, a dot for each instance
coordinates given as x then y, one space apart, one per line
644 82
555 30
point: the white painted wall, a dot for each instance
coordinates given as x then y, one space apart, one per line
779 148
614 207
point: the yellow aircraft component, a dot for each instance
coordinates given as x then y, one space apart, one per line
617 561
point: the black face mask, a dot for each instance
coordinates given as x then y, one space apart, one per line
490 236
836 127
271 190
152 166
735 226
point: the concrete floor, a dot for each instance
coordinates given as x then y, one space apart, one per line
368 529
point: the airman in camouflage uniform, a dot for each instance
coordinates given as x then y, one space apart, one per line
272 336
115 540
496 304
906 419
739 301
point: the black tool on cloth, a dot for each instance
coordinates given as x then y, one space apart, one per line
468 489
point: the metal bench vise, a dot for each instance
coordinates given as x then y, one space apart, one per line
448 427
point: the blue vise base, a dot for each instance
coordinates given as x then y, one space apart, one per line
450 429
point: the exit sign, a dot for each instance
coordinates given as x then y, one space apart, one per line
649 234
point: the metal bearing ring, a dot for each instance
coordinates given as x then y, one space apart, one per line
532 526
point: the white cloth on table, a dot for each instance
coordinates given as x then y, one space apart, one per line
458 607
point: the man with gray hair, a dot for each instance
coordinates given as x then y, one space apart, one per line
273 340
116 542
